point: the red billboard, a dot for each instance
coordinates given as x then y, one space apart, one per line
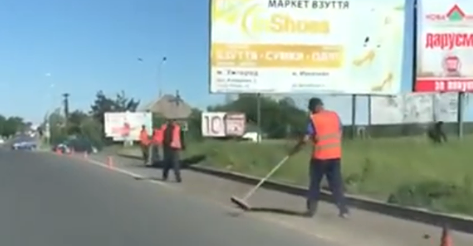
444 46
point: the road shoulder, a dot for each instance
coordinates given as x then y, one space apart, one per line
362 228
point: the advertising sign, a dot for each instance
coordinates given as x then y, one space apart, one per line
235 124
274 46
414 108
123 126
223 124
444 46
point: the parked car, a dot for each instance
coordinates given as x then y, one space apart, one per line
76 144
61 148
24 145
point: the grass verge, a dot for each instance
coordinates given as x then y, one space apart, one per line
406 171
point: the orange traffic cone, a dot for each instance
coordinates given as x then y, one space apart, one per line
446 239
109 162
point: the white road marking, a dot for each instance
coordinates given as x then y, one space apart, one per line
263 217
129 173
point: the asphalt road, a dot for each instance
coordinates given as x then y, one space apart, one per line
49 200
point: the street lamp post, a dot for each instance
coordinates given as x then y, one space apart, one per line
161 76
159 73
66 109
51 111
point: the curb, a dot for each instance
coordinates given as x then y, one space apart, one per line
456 222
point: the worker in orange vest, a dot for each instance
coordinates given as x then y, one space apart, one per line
325 132
173 144
144 143
157 142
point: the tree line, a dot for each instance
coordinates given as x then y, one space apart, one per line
11 125
274 118
279 119
88 124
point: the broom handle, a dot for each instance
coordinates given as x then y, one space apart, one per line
266 178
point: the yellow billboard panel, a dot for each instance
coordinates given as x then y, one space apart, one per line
303 46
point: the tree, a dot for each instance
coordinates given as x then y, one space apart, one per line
103 104
93 131
122 103
194 124
289 101
80 124
76 119
12 125
2 124
56 127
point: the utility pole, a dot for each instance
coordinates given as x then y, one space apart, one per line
161 77
177 98
66 108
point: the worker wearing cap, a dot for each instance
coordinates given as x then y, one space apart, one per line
324 131
173 144
144 143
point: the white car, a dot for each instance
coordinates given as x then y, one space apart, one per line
24 146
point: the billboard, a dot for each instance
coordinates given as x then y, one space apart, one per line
444 46
223 124
271 46
126 126
414 108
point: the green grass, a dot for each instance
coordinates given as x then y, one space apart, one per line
408 171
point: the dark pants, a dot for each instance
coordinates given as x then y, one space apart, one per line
330 168
145 151
171 160
154 155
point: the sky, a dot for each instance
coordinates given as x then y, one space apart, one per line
50 47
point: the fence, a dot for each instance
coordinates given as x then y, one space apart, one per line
402 115
380 116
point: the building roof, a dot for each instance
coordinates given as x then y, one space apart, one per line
170 107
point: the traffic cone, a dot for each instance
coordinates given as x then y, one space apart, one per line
446 239
109 162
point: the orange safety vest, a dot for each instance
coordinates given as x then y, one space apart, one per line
176 136
328 137
144 138
158 136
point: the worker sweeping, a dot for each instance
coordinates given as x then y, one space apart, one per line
173 144
325 132
144 143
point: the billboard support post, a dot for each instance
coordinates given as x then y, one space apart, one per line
353 116
258 116
369 116
461 97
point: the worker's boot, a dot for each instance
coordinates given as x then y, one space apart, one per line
164 176
178 178
311 208
344 213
